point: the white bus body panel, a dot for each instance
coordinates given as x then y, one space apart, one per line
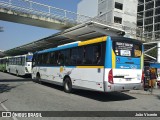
22 70
92 78
84 78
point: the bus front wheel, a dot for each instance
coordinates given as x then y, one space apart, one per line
67 85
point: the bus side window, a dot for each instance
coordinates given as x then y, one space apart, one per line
23 61
52 58
45 59
38 59
48 58
67 57
93 54
80 55
77 56
89 55
61 58
74 56
97 54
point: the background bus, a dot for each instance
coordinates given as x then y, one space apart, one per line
102 64
20 65
3 64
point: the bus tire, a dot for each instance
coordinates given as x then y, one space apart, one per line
38 78
67 85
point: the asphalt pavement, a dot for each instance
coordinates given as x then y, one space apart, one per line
21 94
155 91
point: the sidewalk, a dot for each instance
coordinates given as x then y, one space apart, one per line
156 91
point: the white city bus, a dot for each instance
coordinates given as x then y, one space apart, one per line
20 65
102 64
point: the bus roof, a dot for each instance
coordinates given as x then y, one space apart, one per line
126 39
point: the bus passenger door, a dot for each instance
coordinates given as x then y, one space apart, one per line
34 69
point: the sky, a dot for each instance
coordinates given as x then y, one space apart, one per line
15 34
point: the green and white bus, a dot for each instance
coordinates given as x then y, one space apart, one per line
3 64
102 64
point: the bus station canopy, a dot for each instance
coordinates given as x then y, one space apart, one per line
80 32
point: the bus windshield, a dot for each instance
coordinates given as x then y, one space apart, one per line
29 58
127 49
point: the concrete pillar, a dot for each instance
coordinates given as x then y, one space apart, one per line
158 52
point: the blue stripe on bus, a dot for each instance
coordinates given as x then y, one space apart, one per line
128 66
108 58
59 48
128 60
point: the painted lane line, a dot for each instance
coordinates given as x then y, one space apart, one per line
6 109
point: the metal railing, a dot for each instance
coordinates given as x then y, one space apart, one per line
34 8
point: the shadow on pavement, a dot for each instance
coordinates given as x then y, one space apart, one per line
158 96
104 97
99 96
6 88
24 76
15 80
18 79
58 87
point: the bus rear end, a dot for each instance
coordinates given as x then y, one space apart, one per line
28 64
124 67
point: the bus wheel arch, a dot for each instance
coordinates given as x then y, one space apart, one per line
67 84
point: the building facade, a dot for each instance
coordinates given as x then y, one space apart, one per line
149 18
120 13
